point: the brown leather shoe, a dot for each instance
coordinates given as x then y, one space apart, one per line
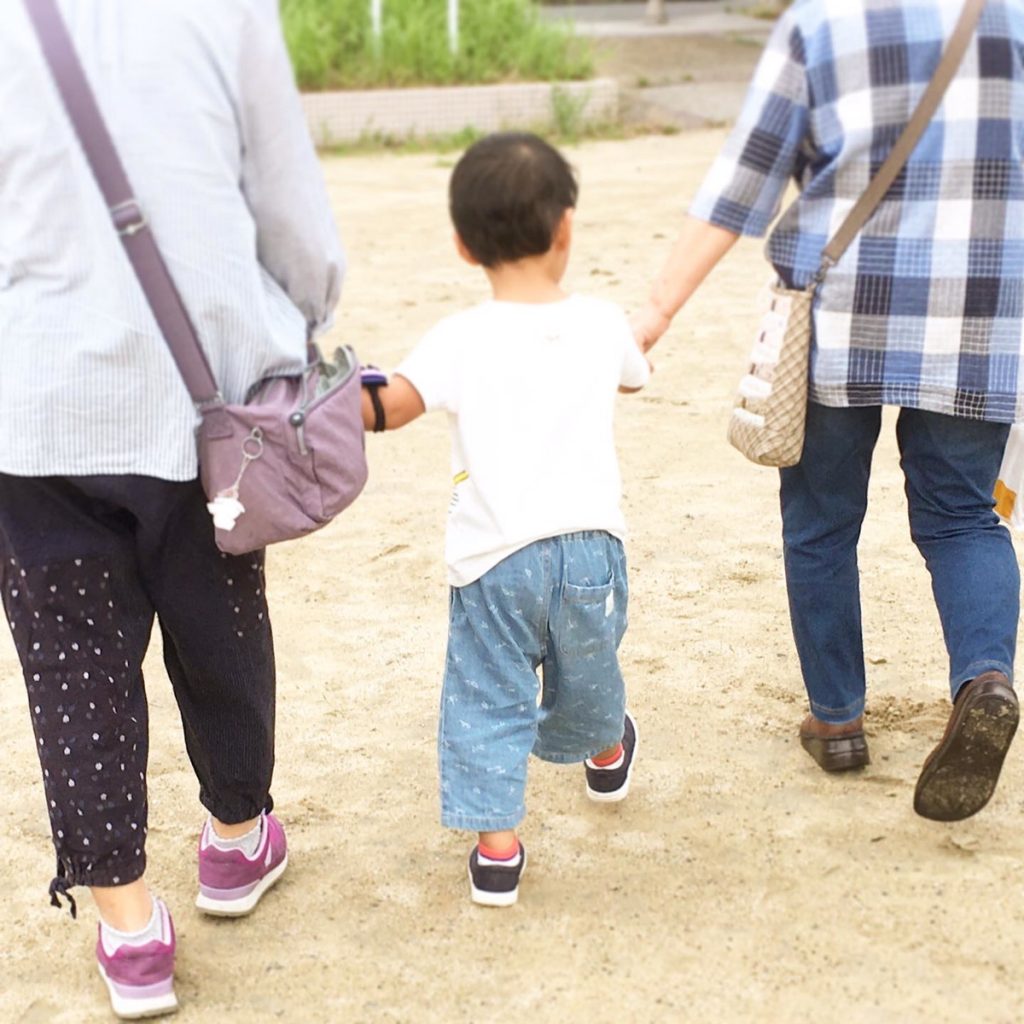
835 751
960 774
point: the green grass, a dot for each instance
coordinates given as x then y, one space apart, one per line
379 142
332 46
448 146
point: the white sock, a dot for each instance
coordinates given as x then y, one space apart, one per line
113 939
617 763
248 843
512 862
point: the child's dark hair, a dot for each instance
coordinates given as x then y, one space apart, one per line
507 194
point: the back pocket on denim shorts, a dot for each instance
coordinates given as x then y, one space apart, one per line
587 618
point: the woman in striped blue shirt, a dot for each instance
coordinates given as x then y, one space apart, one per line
925 311
103 524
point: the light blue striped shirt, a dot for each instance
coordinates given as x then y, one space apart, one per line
200 99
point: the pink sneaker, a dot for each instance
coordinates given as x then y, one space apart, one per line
140 979
230 883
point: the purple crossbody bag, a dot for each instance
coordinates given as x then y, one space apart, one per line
293 456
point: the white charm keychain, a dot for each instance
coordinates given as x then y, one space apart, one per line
768 344
226 507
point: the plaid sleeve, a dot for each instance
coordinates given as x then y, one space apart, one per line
745 184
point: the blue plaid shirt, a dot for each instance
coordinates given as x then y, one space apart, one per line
926 308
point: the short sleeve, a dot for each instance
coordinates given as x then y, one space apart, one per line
430 368
744 187
635 371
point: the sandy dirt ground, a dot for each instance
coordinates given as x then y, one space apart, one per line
737 882
676 59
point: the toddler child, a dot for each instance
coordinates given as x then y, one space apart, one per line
534 538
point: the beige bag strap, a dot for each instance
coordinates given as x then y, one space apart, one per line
919 120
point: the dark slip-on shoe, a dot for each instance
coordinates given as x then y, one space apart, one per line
839 753
959 776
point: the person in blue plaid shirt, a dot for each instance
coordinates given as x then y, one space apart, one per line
925 311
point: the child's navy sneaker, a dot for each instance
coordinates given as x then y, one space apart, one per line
492 884
608 785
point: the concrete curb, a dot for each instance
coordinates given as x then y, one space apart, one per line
340 117
684 18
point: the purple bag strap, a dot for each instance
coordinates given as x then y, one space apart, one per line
128 217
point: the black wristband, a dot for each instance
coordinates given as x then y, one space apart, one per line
379 422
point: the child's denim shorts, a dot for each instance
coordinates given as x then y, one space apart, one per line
558 605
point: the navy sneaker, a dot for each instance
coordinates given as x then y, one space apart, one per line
609 785
495 885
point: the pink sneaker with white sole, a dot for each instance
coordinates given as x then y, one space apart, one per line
231 883
140 979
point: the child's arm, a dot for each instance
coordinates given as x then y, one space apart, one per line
400 404
636 367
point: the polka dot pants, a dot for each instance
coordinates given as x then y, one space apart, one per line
86 564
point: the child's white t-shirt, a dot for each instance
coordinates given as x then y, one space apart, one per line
530 393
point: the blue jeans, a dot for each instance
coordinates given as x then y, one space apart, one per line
558 605
950 466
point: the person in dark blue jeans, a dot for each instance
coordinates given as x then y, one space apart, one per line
925 311
950 465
